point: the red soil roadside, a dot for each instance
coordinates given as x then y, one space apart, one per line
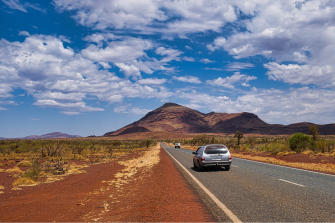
158 194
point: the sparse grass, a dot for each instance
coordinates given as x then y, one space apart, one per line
53 179
23 181
74 171
24 163
78 157
308 152
15 170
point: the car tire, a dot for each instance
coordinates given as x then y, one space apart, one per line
194 166
227 168
200 168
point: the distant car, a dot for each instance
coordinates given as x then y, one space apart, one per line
177 145
215 155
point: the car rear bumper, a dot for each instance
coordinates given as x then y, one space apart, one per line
216 163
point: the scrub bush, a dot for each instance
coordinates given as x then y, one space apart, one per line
299 141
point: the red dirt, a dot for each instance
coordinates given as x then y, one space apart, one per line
161 194
296 158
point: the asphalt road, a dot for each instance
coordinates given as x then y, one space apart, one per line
259 192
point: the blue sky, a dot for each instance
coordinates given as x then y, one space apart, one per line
89 67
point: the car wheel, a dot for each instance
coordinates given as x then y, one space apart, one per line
194 166
200 168
227 168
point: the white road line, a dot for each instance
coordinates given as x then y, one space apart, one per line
292 183
285 167
222 206
234 166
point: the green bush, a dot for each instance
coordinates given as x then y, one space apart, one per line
276 147
299 141
34 172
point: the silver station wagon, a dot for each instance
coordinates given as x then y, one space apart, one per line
214 155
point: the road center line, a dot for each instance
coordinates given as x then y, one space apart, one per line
292 183
222 206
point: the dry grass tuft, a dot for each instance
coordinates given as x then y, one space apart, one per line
15 170
308 152
74 171
1 192
24 163
24 181
1 164
283 153
53 179
2 170
16 188
2 187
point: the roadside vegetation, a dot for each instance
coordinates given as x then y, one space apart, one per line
312 144
31 162
318 149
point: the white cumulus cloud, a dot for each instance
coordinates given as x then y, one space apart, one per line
189 79
228 82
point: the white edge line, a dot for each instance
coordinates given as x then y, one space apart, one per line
285 167
221 205
292 183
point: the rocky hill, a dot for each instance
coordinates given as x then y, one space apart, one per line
52 135
179 119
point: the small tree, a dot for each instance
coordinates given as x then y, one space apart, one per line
148 142
239 136
298 141
313 130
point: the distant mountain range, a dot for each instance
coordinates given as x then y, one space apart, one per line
179 119
47 136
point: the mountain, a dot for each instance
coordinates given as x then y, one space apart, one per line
52 135
175 118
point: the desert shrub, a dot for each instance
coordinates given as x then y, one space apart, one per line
34 172
245 147
321 145
148 142
15 170
308 152
22 181
265 140
11 162
24 163
78 157
299 142
275 147
260 147
283 153
1 164
97 160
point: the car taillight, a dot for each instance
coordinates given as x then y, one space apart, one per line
229 157
202 158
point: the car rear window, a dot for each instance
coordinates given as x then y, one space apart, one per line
216 150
